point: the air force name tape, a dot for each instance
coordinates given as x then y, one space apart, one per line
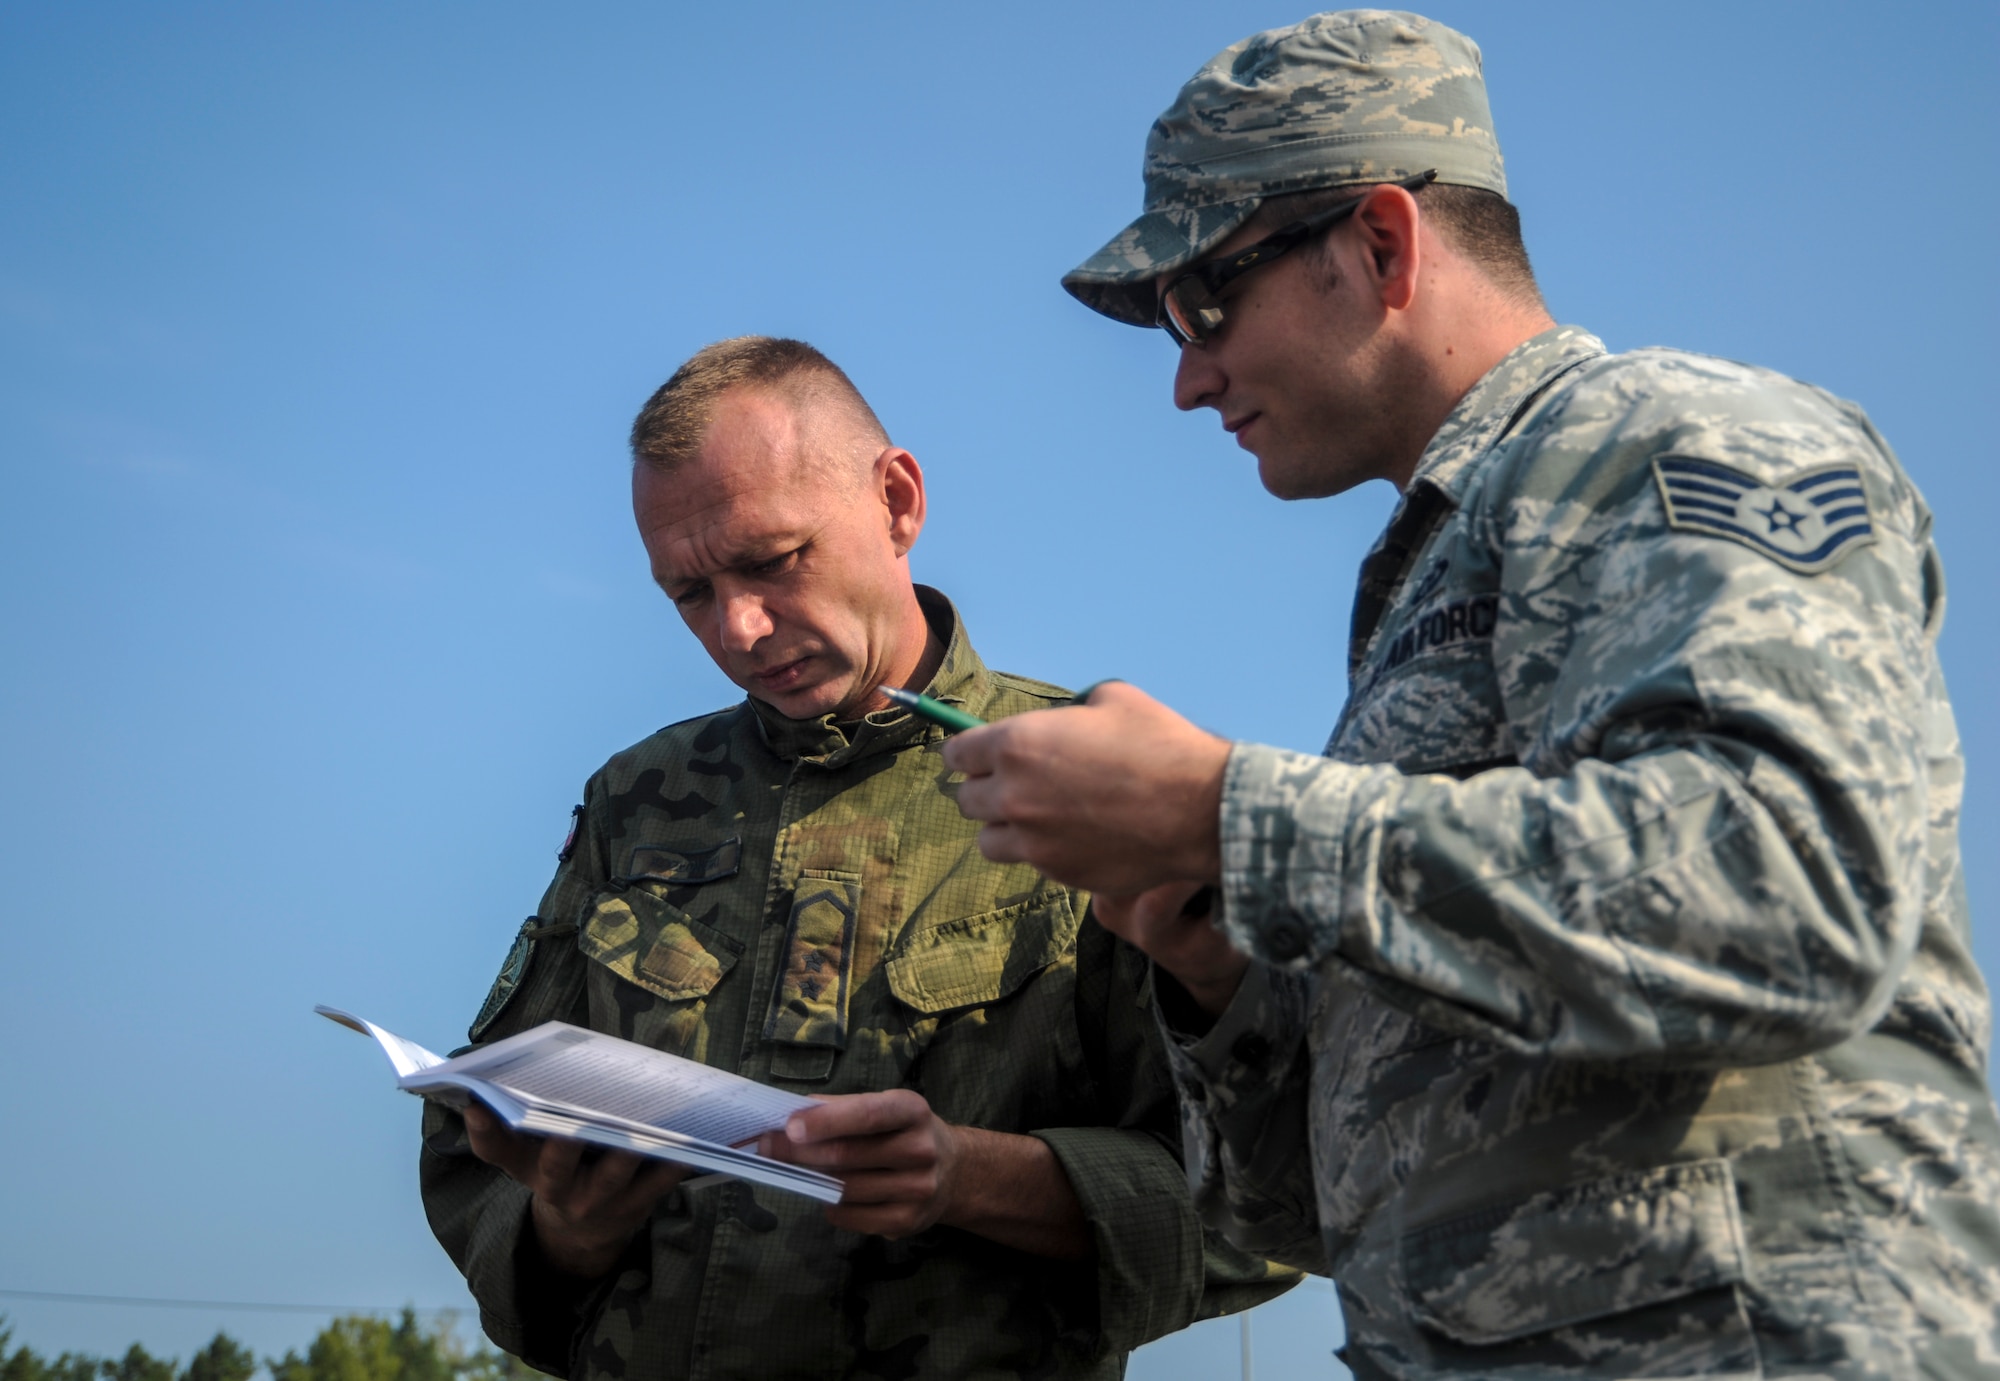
1805 525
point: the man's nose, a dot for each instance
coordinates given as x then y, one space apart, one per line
1197 382
744 623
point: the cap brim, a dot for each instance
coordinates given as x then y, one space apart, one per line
1118 280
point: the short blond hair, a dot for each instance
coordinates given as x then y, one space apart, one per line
670 427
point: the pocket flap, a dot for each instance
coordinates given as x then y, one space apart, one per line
1606 1247
685 867
982 958
657 946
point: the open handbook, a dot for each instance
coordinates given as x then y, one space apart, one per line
563 1081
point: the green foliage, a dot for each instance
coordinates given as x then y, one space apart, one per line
224 1359
25 1364
356 1347
139 1365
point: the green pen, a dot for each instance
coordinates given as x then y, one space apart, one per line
936 711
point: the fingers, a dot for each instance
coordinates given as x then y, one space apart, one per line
649 1183
887 1205
586 1202
609 1181
875 1188
1115 694
1174 926
604 1201
978 798
494 1143
1001 842
974 751
556 1166
892 1134
1160 916
858 1115
1116 794
908 1150
565 1173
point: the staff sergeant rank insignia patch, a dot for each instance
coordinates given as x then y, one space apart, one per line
1807 525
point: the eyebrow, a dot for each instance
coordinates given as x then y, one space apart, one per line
751 552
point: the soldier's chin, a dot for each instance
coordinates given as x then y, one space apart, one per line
803 702
1293 477
1282 480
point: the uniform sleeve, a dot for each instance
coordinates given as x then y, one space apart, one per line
478 1214
1243 1084
1713 852
1158 1269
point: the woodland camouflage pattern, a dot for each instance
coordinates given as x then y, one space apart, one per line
1619 1016
1356 96
764 895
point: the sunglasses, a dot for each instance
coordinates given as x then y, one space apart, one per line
1190 310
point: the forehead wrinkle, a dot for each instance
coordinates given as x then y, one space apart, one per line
754 490
725 532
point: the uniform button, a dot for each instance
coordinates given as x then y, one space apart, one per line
1286 940
1250 1050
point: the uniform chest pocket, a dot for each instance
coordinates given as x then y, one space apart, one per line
655 945
1603 1269
981 959
1438 712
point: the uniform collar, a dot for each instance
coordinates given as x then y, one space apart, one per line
961 680
1497 401
1491 406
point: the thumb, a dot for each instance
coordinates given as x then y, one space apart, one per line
1114 694
973 751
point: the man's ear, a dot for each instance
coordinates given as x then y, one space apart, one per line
900 481
1387 222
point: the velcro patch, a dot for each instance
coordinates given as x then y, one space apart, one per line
810 1005
1806 525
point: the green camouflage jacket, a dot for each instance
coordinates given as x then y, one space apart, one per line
1617 1015
773 898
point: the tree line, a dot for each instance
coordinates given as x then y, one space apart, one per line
354 1347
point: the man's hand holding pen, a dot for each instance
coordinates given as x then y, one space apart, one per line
1119 795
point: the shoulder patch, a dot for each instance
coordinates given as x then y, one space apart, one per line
511 971
568 849
1805 525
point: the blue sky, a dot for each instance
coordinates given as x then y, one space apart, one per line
320 327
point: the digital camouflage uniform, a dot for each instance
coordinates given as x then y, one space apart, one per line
775 898
1621 1018
1616 1014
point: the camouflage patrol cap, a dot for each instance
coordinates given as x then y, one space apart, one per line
1355 96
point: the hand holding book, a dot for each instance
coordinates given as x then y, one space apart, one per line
559 1080
533 1101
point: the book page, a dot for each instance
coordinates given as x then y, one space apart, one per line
407 1056
564 1064
545 1082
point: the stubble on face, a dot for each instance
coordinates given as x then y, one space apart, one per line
1349 418
1309 379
